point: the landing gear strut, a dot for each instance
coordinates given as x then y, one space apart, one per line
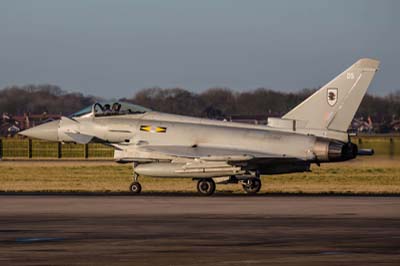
206 186
135 187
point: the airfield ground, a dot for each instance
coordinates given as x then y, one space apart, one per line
221 230
97 222
366 175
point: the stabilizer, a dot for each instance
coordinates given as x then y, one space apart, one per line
333 107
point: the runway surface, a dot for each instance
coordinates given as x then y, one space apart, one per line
220 230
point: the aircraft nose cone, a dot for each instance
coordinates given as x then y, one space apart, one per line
47 131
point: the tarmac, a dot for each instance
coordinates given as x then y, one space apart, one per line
190 230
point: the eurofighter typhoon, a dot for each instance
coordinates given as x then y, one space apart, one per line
208 151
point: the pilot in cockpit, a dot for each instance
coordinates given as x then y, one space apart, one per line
107 109
116 107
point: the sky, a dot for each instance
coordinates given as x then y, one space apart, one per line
114 48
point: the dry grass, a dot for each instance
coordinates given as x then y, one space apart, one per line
367 175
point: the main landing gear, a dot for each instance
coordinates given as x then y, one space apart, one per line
252 185
206 186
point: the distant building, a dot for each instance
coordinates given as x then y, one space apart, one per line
360 125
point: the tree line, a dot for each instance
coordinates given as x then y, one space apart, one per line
213 103
38 99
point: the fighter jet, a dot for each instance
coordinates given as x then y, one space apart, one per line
219 152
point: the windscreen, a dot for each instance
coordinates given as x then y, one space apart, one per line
111 108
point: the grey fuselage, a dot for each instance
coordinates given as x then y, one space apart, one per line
292 151
197 132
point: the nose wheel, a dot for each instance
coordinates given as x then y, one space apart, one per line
135 187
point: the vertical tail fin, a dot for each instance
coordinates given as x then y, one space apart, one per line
334 105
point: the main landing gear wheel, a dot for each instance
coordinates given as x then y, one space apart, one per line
135 187
252 185
206 186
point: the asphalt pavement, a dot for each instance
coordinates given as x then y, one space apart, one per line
190 230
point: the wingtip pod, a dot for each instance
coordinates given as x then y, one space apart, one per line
368 64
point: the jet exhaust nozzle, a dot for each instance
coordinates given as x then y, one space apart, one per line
339 151
334 151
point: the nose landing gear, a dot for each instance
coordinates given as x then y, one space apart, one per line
135 187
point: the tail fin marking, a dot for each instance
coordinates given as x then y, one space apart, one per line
334 105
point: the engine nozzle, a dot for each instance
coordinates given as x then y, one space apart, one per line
334 151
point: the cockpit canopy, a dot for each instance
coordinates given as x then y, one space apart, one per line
111 108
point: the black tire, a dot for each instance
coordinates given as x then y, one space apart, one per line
135 188
206 187
252 186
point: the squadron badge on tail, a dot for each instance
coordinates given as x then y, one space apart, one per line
332 94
